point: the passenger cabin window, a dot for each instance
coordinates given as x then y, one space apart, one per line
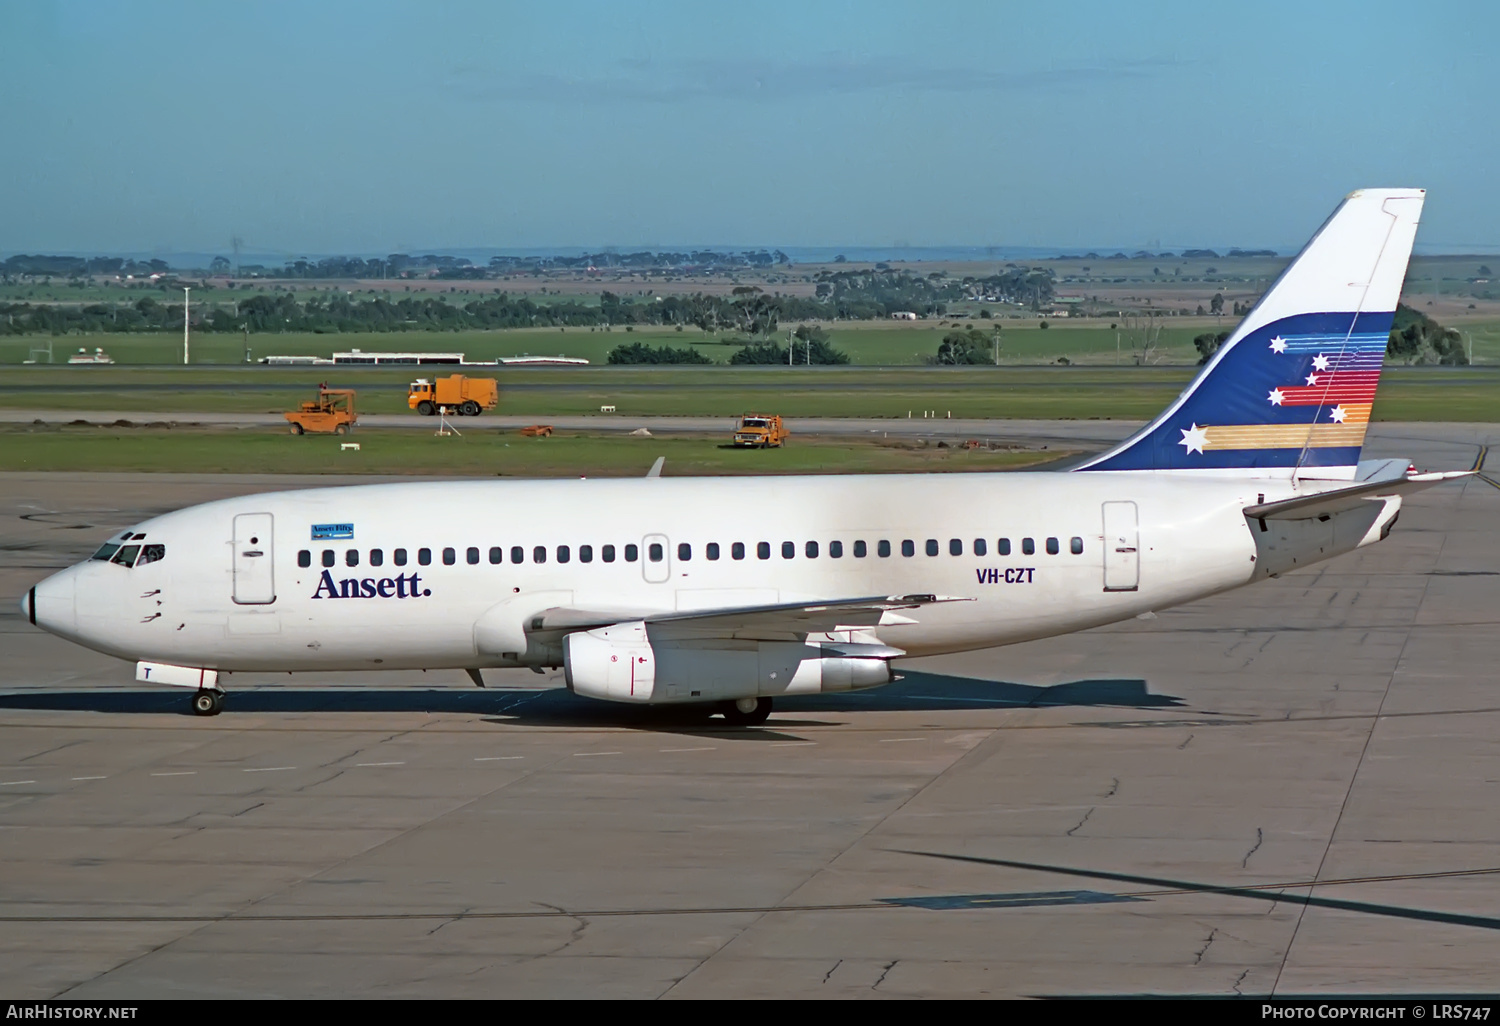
632 553
377 557
564 553
351 557
472 555
1028 546
449 557
712 550
955 547
1076 546
497 555
424 557
1052 548
737 550
979 547
762 550
399 557
835 550
607 553
539 554
811 549
1003 546
859 550
788 550
585 553
684 551
932 546
883 548
304 558
908 548
655 552
328 557
517 554
151 554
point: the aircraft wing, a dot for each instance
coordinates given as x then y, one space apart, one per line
1385 479
750 622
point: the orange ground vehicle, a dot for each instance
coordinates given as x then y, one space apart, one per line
458 393
760 431
537 431
331 413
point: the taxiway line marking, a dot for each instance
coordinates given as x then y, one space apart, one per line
890 740
380 764
268 769
497 758
585 755
176 773
8 783
705 748
791 744
90 778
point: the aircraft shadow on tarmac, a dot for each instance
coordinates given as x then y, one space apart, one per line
914 692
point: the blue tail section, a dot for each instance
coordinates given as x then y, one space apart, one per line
1292 389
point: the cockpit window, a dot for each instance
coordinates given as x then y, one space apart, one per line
151 553
126 555
107 550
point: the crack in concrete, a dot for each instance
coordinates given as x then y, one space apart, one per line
1187 742
1239 981
1113 787
1206 945
1259 837
883 973
831 971
1081 822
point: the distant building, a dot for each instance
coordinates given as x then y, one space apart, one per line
903 315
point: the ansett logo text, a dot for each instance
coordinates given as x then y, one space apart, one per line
405 586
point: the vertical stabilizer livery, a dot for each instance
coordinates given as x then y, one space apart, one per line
1290 391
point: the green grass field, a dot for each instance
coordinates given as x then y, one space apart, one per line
1080 392
478 452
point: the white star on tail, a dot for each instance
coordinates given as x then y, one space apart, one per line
1320 362
1194 438
1338 413
1312 379
1278 344
1276 396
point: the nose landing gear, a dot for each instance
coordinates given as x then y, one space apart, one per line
208 701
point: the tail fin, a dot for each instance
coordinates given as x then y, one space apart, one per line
1290 392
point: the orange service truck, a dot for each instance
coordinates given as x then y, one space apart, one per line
457 393
760 431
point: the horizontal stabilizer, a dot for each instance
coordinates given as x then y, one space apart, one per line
1338 500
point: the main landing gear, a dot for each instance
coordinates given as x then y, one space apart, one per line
208 702
746 712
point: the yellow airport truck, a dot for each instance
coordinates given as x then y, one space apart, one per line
457 393
760 431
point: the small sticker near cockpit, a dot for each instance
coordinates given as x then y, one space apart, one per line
323 532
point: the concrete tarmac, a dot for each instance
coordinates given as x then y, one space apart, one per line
1289 789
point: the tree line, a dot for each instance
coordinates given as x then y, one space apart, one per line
749 311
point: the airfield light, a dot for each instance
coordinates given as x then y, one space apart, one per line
185 290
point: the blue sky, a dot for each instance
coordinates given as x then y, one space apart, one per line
332 127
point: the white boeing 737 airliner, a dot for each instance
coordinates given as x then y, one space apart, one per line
655 590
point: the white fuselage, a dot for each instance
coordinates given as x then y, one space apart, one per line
1190 539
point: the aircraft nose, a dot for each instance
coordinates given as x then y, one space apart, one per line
51 604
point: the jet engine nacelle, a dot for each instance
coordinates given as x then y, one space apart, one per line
622 663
